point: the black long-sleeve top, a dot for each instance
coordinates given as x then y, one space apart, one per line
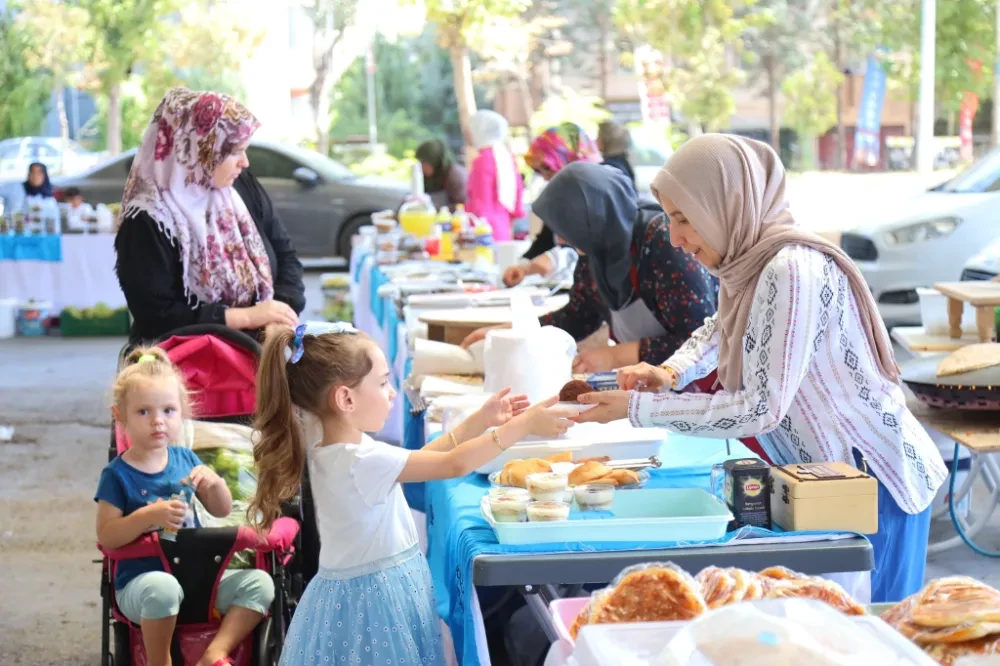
150 271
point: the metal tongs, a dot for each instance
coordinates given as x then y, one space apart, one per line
635 463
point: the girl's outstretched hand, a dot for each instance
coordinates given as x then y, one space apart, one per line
545 420
501 408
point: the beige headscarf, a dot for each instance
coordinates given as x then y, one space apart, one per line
732 191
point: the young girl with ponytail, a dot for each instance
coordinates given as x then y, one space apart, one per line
372 600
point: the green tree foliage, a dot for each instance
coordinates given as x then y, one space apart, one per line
414 95
461 25
699 40
811 102
25 99
57 47
781 38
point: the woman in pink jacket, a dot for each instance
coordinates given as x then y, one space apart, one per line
496 192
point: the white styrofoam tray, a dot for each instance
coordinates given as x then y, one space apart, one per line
641 644
650 515
618 439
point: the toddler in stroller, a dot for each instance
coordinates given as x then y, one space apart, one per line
165 576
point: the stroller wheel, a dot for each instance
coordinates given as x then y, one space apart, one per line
123 647
267 643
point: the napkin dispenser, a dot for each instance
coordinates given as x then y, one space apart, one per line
829 496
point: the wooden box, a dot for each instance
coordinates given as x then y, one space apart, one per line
824 496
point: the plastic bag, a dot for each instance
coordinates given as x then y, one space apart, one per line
786 632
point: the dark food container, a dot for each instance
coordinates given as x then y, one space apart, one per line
975 390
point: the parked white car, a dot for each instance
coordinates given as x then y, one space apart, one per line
16 155
984 265
928 239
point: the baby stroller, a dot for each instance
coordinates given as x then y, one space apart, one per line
219 367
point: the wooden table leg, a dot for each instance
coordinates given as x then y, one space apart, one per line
984 323
955 308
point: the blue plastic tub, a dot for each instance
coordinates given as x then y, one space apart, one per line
648 515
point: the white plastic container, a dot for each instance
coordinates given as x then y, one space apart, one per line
661 515
641 644
934 313
617 439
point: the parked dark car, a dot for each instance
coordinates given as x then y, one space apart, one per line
320 201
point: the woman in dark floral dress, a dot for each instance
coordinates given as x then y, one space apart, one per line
652 294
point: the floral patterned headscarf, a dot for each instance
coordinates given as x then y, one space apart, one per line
558 146
223 256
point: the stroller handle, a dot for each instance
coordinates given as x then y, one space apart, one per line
280 538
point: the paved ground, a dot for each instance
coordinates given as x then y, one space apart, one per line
55 393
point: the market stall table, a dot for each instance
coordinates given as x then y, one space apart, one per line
464 554
452 326
979 433
72 270
983 296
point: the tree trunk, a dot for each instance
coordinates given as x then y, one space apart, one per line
462 71
63 125
115 118
951 123
840 155
770 65
602 55
694 129
527 104
319 100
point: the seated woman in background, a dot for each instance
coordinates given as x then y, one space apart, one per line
496 193
38 184
615 142
444 181
552 150
199 241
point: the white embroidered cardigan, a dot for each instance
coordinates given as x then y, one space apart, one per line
812 390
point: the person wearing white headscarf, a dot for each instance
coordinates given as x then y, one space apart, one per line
804 361
495 189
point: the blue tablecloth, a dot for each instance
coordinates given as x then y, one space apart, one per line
31 248
457 533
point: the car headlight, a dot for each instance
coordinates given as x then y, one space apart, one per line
922 231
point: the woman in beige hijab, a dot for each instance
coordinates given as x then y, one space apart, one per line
803 359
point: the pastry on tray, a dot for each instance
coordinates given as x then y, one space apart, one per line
516 472
574 389
821 590
597 472
950 618
561 457
657 594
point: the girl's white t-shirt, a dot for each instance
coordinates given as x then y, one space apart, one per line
360 509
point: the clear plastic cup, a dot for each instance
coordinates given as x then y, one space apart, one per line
510 507
595 496
548 486
547 512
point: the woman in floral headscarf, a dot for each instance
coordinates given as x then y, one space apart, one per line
548 154
199 242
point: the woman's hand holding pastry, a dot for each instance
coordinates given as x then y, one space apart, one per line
647 378
608 406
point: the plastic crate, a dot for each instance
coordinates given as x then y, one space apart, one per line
115 324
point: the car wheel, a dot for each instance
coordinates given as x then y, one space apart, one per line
351 227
